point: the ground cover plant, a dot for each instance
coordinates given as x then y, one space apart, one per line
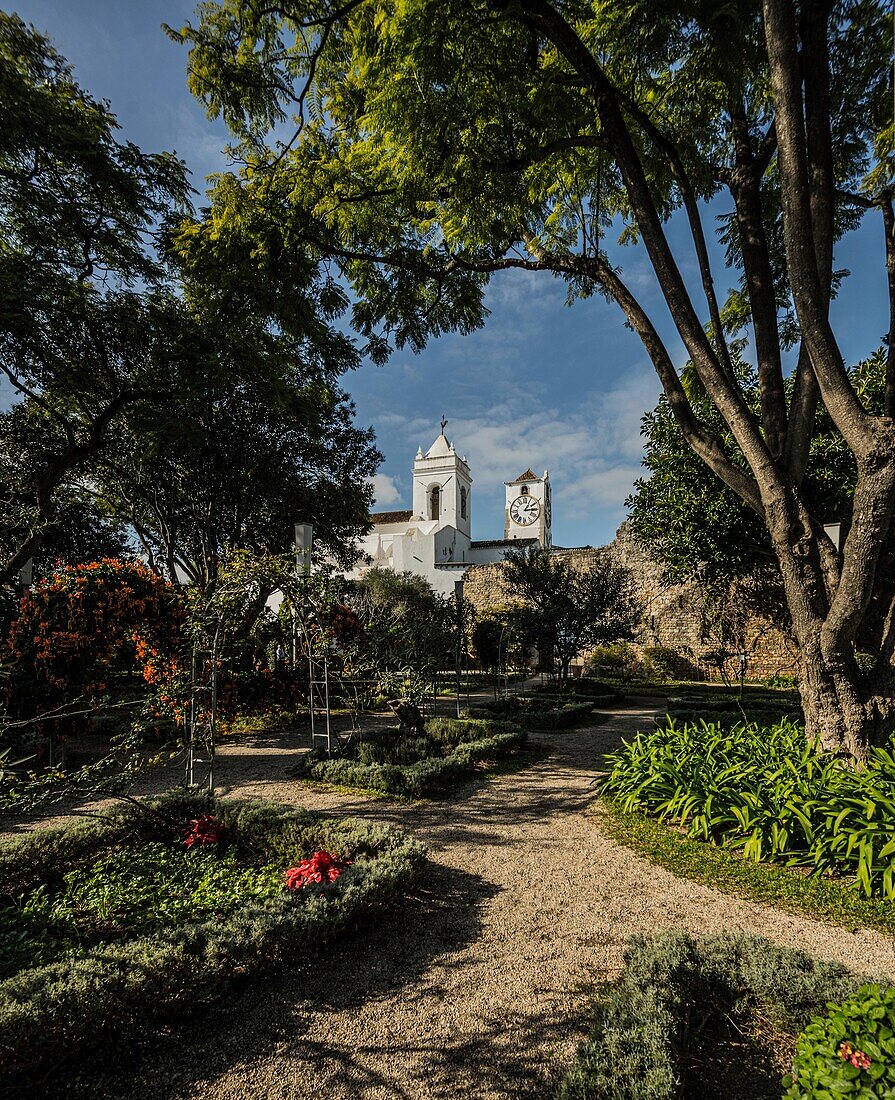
156 907
832 900
393 761
541 712
768 793
722 1016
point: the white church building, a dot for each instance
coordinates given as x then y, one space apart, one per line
434 538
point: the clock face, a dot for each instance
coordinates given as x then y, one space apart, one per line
525 511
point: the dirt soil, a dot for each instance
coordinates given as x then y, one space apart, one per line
479 986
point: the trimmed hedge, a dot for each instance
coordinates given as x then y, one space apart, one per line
62 1006
415 780
599 690
541 713
643 1034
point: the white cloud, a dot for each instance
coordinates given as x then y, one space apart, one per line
385 491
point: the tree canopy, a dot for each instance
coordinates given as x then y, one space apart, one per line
704 532
424 145
567 608
159 390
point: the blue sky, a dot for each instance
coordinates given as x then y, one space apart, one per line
541 385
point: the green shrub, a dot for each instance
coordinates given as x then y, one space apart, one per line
585 688
155 969
538 713
768 793
454 731
642 1043
391 746
781 680
614 662
662 662
415 780
848 1052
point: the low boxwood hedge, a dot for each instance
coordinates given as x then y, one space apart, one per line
539 713
456 746
49 1011
657 1031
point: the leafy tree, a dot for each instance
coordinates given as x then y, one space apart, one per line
705 533
436 143
568 609
407 626
230 468
82 531
196 405
78 211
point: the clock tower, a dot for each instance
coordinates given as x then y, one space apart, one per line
529 508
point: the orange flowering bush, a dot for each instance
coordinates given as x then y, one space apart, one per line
84 626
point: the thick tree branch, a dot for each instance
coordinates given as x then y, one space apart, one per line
745 187
856 425
726 396
691 207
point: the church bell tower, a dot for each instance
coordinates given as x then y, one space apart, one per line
529 508
442 486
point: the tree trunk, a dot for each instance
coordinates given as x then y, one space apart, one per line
846 710
838 713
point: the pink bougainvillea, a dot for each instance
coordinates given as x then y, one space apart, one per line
321 867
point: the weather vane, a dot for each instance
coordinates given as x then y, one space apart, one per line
443 423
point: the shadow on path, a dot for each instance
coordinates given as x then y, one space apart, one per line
266 1018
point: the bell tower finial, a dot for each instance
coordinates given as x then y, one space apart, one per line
444 423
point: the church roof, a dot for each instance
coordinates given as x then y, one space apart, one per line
441 448
379 518
529 475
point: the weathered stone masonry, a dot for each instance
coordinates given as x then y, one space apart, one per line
672 615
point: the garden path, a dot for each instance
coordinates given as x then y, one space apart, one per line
477 988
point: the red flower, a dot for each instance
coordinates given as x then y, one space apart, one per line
321 867
205 830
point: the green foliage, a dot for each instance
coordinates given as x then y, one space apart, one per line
614 662
538 713
642 1042
831 901
862 1024
468 742
662 662
152 971
567 608
701 531
450 732
768 793
129 891
582 688
781 680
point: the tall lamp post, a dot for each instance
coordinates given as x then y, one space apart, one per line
304 544
458 601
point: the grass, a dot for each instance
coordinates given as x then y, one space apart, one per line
823 899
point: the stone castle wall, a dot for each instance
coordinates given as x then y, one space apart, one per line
672 614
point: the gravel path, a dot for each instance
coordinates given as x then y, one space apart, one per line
478 988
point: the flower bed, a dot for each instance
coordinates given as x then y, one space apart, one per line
692 1017
157 906
391 762
767 792
539 713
